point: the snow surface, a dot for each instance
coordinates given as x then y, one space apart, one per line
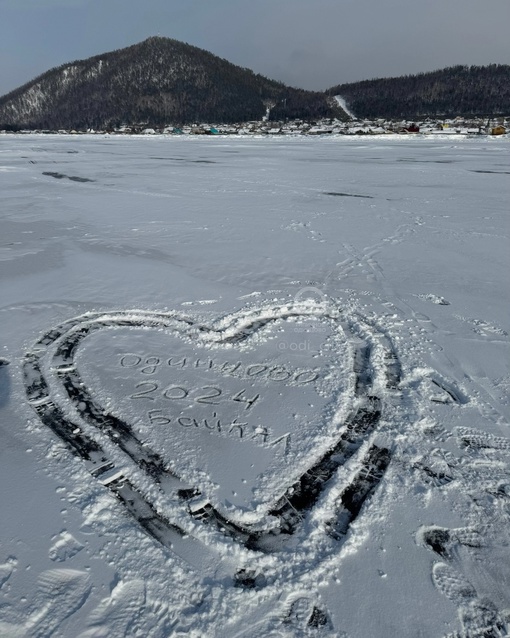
217 315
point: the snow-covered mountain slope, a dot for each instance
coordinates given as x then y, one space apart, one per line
254 387
343 105
154 83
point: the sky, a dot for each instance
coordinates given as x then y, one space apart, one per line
312 44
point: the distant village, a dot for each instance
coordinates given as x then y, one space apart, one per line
456 126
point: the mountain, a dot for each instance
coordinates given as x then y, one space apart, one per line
156 82
456 90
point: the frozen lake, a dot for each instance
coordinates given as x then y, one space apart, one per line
256 387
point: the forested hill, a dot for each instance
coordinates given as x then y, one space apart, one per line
156 82
457 90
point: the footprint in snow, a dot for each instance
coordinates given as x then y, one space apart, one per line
301 618
64 547
435 299
478 616
483 328
6 570
59 594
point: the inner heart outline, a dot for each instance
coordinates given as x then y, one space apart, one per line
60 345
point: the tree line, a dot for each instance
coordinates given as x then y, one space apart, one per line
457 90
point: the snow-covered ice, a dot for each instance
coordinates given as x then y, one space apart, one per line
254 387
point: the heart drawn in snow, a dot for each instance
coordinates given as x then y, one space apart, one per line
240 425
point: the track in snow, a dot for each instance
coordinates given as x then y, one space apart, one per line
51 363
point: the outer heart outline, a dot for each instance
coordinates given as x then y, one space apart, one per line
61 343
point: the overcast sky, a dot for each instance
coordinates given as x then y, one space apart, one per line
313 44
